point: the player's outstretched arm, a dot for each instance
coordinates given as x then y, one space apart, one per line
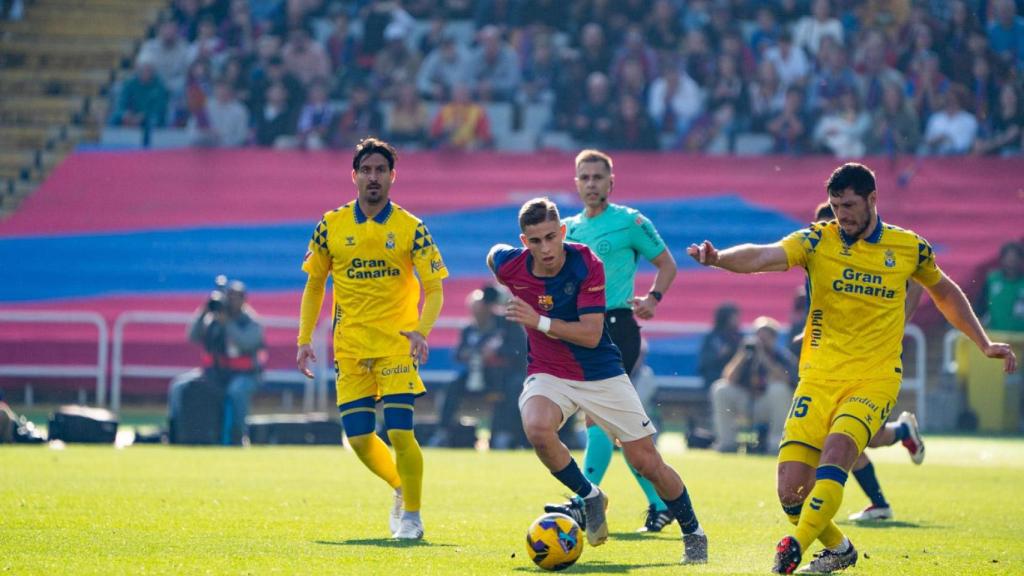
585 332
951 301
744 258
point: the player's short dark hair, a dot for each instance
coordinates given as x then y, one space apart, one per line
824 213
371 145
537 211
592 155
851 175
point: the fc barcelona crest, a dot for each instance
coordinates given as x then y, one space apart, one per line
546 302
890 259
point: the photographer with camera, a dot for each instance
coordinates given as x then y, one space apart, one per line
492 358
754 388
232 341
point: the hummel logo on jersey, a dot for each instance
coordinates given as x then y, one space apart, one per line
845 251
350 240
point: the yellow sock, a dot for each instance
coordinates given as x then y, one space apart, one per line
375 455
410 467
820 507
830 537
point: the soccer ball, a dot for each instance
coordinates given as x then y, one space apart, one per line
554 541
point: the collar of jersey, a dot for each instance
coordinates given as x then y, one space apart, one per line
874 238
380 218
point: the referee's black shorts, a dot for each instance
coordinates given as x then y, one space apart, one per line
625 333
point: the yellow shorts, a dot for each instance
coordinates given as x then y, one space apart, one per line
376 377
855 408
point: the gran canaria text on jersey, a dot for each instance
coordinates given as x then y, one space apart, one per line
361 269
854 282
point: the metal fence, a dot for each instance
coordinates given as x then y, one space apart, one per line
315 392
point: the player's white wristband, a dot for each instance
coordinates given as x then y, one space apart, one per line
544 324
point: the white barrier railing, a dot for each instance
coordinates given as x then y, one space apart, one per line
314 390
98 370
949 351
918 382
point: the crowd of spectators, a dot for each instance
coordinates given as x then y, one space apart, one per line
937 77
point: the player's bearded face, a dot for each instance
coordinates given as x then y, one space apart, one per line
853 212
545 241
373 179
594 183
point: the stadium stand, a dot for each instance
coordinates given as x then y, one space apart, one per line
56 65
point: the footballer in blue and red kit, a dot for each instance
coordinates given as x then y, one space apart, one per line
578 289
558 296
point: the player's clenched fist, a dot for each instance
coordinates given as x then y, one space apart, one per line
520 312
704 253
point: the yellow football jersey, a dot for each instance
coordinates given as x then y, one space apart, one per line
371 262
857 292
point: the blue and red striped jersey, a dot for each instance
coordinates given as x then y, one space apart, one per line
577 289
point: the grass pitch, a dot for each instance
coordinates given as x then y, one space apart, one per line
316 510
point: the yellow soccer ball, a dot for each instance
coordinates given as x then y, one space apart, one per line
554 541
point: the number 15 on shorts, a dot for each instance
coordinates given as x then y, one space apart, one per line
799 407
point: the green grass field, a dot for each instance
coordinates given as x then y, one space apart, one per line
292 510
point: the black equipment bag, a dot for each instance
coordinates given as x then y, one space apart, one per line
201 414
83 424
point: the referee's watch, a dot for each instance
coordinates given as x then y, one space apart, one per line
657 295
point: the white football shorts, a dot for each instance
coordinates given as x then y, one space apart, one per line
612 403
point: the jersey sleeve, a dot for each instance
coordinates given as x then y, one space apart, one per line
591 298
317 261
927 272
800 245
644 237
499 255
426 257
